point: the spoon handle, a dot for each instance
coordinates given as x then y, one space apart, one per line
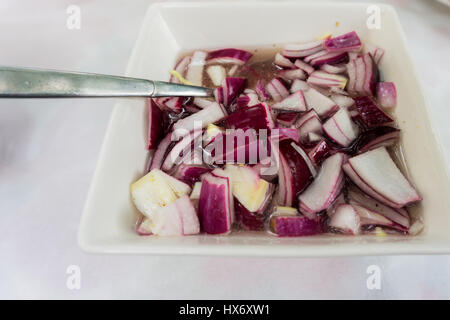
35 83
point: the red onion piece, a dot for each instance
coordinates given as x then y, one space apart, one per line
283 62
277 90
386 94
325 187
201 119
325 57
377 53
180 150
292 74
171 104
341 129
377 175
215 205
296 172
343 43
320 152
261 91
231 89
339 68
345 219
370 113
228 55
399 216
190 174
295 226
302 50
155 124
327 80
256 117
304 66
293 102
377 137
161 151
287 119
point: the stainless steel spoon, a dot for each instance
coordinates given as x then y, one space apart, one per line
35 83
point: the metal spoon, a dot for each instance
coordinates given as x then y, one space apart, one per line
35 83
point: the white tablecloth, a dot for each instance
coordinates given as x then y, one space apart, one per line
49 148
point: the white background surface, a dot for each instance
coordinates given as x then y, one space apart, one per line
49 148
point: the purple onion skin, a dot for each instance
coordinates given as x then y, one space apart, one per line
346 42
261 91
320 152
212 208
287 118
301 174
191 174
286 133
371 114
364 138
296 226
242 102
340 58
218 94
235 87
368 136
155 125
246 219
253 117
164 147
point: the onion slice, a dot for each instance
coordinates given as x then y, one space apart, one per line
294 102
277 90
345 220
399 216
287 119
199 120
386 94
302 50
327 80
370 113
215 205
325 57
325 187
377 174
256 117
341 129
283 62
181 149
320 152
228 55
304 66
343 43
294 226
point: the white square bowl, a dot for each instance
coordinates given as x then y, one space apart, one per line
107 224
